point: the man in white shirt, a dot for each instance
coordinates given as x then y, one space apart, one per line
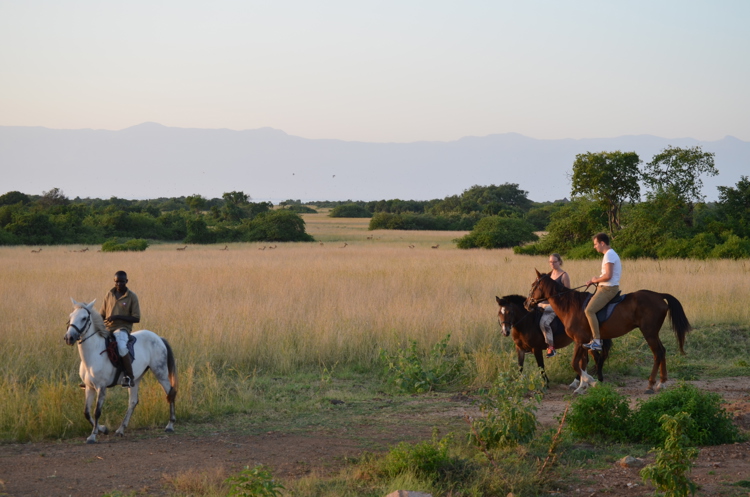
607 288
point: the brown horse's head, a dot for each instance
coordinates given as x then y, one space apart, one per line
510 312
541 289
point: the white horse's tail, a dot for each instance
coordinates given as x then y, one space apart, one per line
172 368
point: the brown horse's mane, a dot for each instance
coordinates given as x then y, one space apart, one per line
515 299
565 298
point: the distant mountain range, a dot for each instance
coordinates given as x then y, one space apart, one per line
151 161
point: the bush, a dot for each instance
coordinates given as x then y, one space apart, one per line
197 232
710 423
601 415
123 245
349 210
508 417
497 232
413 372
674 460
427 460
733 248
255 482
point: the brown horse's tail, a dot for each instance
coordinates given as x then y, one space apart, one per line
680 324
172 368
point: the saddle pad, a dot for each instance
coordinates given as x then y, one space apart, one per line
606 311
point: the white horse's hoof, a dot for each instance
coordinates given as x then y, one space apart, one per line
574 385
169 429
582 389
91 440
119 433
103 430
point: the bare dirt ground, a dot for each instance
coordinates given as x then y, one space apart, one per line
143 462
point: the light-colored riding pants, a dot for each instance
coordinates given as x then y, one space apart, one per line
122 337
602 296
545 323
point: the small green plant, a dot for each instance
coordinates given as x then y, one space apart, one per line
427 459
709 423
123 245
600 416
255 482
667 473
508 408
413 372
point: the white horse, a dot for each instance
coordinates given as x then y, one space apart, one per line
86 327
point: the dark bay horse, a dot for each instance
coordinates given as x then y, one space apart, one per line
643 309
523 326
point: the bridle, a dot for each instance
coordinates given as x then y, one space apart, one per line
86 325
533 302
511 325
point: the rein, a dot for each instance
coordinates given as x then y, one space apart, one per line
536 285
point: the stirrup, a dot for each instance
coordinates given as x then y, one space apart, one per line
551 352
127 382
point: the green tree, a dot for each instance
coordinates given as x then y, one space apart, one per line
233 203
734 206
14 197
609 179
676 172
53 197
196 202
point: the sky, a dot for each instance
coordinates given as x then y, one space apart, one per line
381 71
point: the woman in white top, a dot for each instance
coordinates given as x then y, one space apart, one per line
545 323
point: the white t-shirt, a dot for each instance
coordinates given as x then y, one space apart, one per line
611 257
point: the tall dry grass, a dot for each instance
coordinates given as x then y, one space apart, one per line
247 311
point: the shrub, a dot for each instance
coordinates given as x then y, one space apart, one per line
508 417
710 424
600 415
733 248
197 232
497 232
256 482
413 372
427 459
674 460
124 245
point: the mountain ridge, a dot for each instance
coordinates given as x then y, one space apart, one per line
151 160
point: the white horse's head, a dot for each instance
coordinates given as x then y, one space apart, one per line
79 321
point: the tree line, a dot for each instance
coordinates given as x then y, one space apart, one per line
53 218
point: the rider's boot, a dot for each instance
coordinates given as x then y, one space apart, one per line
127 366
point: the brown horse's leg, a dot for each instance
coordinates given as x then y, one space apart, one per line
580 358
660 360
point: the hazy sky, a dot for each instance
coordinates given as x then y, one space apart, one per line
381 71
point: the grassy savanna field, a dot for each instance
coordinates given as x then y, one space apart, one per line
276 333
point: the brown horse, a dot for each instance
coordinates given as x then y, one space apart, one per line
523 326
643 309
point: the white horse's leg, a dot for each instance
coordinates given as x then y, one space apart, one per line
100 395
163 378
132 402
576 383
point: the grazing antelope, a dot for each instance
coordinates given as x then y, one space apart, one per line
411 246
369 237
182 248
36 251
262 248
344 246
321 244
226 247
435 246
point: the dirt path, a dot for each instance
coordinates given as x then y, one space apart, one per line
143 462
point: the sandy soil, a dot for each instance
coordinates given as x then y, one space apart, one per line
143 462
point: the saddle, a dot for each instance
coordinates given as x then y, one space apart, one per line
606 311
110 347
